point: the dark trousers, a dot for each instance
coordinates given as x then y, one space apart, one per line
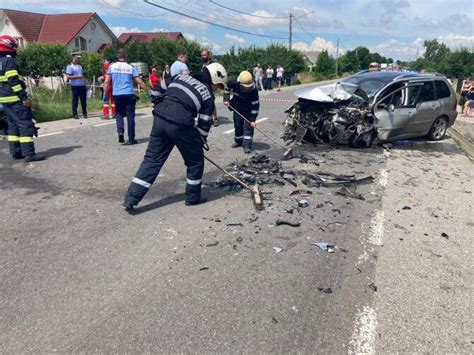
20 129
269 83
79 92
243 131
125 106
164 136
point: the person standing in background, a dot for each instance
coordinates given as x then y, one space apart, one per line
258 74
166 73
122 75
109 104
279 76
154 78
179 66
269 74
206 59
75 75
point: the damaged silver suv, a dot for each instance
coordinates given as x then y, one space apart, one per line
373 107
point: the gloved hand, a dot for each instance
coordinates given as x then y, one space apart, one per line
35 131
204 142
105 98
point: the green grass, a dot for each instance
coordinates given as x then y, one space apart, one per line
47 107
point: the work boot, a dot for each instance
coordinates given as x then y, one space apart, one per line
131 142
84 116
34 157
121 139
18 156
75 117
236 145
194 203
105 117
216 122
129 207
247 150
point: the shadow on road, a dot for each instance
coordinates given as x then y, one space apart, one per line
60 150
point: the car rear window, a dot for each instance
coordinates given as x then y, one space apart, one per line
442 89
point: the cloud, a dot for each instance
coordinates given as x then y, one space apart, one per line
396 49
234 39
452 22
455 41
117 30
318 45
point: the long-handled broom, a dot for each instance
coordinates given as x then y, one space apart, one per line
256 195
288 151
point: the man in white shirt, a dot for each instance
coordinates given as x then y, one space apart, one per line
279 76
257 74
269 73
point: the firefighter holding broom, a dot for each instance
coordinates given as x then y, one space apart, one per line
244 100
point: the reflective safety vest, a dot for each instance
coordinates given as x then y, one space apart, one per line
12 88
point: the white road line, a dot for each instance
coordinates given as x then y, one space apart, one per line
50 134
364 333
377 229
104 124
257 121
383 177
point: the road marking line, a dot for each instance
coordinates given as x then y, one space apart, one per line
377 229
364 333
257 121
50 134
383 177
103 124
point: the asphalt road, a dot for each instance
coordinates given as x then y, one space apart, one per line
78 274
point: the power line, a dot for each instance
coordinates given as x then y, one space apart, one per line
209 22
246 13
304 29
131 12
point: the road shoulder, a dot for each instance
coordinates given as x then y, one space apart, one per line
423 275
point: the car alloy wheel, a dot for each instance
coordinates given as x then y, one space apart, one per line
439 128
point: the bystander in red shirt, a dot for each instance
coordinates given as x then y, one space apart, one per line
154 78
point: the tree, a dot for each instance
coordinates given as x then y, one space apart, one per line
435 51
458 64
325 64
39 59
93 64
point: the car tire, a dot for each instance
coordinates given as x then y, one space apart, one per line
438 129
364 140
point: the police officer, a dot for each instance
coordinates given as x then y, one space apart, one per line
184 98
245 100
16 104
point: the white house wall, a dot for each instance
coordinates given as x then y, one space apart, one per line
7 28
95 38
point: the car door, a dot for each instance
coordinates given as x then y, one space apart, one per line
427 109
394 109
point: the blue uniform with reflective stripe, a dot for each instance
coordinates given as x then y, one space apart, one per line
183 99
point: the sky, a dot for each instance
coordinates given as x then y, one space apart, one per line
393 28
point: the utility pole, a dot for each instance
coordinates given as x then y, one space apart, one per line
337 54
290 37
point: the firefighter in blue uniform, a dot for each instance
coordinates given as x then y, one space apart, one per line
245 100
16 104
184 98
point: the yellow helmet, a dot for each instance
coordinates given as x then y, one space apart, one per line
245 79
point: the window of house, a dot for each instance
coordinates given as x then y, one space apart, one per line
20 42
442 89
80 43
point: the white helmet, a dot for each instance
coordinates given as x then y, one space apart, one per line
218 73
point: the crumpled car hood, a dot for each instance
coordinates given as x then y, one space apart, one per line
338 91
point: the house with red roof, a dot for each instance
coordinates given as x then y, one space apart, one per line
78 31
148 36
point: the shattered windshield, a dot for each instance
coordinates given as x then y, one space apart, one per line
369 86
